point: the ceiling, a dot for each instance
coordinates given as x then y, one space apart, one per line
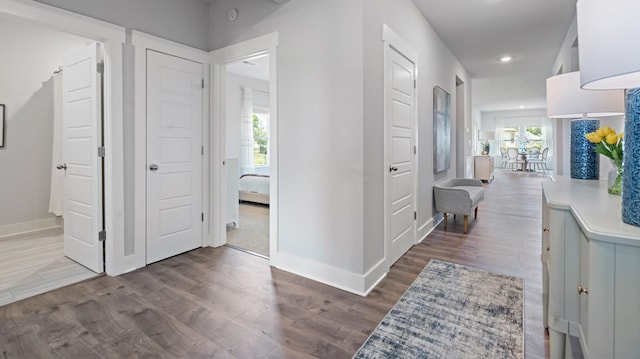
479 32
256 67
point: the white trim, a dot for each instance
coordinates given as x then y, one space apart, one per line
375 275
112 36
393 42
427 228
330 275
219 58
9 230
141 43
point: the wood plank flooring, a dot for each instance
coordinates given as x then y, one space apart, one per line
224 303
34 263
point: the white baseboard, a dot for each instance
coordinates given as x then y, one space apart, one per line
375 275
13 229
330 275
427 228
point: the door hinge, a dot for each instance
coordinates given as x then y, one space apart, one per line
101 151
102 236
414 83
100 67
202 150
415 215
202 216
202 83
224 163
415 150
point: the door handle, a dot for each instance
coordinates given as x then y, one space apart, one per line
393 169
153 167
62 166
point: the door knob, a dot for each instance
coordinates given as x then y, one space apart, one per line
153 167
62 166
393 169
582 289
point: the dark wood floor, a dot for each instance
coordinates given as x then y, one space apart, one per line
223 303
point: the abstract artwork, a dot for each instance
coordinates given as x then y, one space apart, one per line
441 129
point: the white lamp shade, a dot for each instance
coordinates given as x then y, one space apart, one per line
609 43
486 135
565 99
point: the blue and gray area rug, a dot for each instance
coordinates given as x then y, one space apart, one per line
452 311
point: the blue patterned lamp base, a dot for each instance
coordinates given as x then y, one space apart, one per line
585 162
631 176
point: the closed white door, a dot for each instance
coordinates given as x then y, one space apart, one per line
400 107
82 128
174 155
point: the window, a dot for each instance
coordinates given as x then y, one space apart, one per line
260 137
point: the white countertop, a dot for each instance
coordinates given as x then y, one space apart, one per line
598 213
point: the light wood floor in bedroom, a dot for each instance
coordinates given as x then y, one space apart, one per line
224 303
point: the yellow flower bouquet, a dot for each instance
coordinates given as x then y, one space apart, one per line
609 144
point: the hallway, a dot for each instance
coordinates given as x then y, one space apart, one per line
231 304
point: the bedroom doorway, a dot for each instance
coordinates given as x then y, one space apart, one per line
248 154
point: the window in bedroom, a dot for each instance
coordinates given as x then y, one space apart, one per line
260 137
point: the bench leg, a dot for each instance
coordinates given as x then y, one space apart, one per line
476 215
466 222
445 221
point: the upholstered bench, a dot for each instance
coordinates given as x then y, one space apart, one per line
459 196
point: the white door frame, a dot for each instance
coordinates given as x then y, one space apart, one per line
393 42
112 37
219 58
143 42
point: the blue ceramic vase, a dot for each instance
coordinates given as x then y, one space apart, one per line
585 161
631 174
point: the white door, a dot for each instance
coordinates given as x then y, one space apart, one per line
174 155
82 123
400 107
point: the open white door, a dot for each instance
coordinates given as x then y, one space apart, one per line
400 119
174 155
82 122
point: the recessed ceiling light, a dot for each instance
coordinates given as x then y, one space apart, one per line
506 58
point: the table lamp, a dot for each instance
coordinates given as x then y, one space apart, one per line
565 99
610 59
486 136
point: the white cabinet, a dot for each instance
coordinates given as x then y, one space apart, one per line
591 272
483 168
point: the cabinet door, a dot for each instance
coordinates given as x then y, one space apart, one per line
600 304
627 302
557 321
584 298
572 277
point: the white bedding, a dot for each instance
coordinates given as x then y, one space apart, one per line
254 188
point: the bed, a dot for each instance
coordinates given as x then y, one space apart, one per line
254 188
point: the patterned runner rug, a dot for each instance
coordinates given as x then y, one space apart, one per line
452 311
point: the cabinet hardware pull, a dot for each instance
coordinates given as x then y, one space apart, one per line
545 229
583 290
548 248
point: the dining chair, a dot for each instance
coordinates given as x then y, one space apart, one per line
541 161
512 161
503 158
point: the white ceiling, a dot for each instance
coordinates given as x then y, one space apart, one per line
256 67
479 32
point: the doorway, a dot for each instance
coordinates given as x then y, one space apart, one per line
50 217
400 117
248 155
174 155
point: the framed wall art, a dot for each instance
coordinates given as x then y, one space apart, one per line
441 130
2 115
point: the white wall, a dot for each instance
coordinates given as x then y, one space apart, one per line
437 67
30 54
235 83
184 21
320 121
